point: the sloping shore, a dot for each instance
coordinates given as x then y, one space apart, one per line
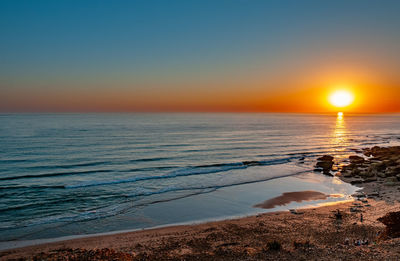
308 234
313 234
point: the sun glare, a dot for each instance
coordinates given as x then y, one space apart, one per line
341 98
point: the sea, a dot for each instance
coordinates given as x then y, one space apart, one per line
79 174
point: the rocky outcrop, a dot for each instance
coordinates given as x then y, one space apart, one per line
392 222
356 159
382 153
325 164
383 164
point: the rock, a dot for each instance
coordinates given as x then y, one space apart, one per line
391 179
354 210
375 150
294 211
391 162
392 222
366 174
356 159
326 158
373 194
346 174
379 166
381 175
383 153
356 181
325 164
367 152
370 179
352 166
355 172
359 195
393 171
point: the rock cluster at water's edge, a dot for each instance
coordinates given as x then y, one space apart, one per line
383 163
325 164
377 170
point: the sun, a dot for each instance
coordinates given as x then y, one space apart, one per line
341 98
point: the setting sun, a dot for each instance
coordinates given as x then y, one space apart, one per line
341 98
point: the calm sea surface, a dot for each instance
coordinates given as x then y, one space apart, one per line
70 174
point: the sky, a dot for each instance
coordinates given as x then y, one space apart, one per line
200 56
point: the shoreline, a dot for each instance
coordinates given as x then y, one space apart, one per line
74 238
301 196
300 234
214 206
31 243
191 241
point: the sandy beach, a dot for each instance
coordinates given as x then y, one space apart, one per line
343 231
309 234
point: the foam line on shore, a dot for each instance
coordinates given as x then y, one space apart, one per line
188 171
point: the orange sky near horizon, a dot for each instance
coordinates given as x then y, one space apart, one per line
368 99
298 89
197 56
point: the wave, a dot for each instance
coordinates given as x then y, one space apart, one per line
87 164
150 159
123 207
213 187
58 174
61 174
69 166
188 171
5 161
32 187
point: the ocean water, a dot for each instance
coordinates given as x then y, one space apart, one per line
72 174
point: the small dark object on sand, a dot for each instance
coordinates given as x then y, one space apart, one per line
299 244
274 245
338 215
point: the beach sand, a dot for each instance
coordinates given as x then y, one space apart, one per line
311 234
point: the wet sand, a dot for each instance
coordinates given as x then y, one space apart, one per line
298 196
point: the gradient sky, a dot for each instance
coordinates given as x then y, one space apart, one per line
275 55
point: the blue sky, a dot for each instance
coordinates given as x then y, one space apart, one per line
91 45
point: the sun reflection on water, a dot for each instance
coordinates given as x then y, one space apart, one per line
339 135
340 139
